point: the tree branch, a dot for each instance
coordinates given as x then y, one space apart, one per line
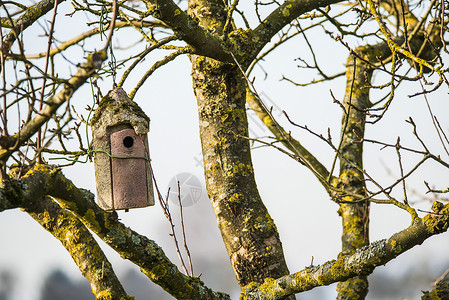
311 162
362 262
81 245
44 180
87 69
280 17
25 20
188 29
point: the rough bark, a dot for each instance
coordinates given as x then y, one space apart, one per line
361 263
43 180
81 245
441 291
355 217
248 231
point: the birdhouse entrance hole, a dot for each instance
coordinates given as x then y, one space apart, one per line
128 142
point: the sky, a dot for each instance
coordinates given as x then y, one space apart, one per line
306 218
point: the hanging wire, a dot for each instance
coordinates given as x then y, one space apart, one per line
89 151
112 65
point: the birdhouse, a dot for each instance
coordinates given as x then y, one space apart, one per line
121 156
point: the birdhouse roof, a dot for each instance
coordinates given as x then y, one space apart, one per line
117 108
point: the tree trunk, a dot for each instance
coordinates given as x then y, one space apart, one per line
248 231
355 216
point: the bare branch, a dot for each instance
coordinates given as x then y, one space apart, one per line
87 69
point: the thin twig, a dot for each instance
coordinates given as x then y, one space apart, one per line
112 26
47 59
165 208
441 278
398 147
184 232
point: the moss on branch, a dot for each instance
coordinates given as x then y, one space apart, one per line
25 20
81 245
361 263
186 28
43 180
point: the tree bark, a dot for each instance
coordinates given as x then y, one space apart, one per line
81 245
355 216
248 231
362 262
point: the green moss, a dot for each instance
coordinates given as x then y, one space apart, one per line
441 292
241 42
158 272
107 103
338 267
192 280
264 223
90 218
270 222
104 295
268 286
349 177
396 248
236 198
249 287
241 169
116 237
437 223
286 10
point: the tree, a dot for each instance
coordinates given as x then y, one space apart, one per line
400 41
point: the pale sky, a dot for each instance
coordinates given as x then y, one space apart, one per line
305 216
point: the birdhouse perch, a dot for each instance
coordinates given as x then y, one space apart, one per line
121 156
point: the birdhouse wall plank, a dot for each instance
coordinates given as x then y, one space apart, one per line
129 175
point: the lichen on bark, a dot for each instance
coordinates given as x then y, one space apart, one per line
248 231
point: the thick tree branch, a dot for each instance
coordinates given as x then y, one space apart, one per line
207 44
44 180
362 262
355 216
441 291
81 245
188 29
248 231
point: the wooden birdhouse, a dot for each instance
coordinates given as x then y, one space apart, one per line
121 156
